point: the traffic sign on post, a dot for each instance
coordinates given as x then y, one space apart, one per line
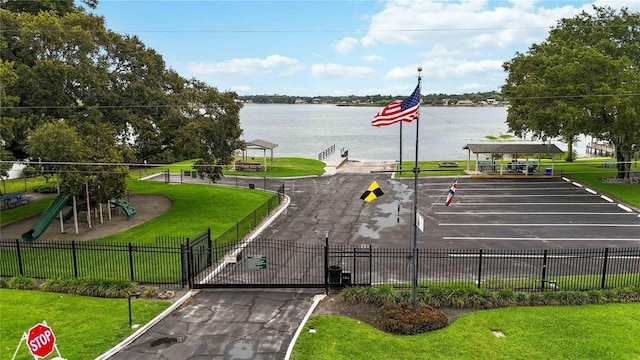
40 340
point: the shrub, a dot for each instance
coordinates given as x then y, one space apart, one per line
401 319
96 287
3 283
150 292
22 283
46 189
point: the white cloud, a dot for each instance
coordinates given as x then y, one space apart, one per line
345 45
334 70
241 88
372 58
245 66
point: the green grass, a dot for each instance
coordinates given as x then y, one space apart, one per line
18 213
568 332
284 167
85 327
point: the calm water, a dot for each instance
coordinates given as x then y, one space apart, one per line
306 130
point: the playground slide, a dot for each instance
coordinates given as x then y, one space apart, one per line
124 205
46 218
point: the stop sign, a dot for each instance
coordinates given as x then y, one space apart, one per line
41 340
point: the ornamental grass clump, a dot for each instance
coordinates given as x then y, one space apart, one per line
401 319
22 283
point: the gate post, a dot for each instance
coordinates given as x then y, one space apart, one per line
183 263
209 248
479 268
544 269
190 273
326 263
604 267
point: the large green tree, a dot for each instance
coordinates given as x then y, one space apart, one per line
62 65
583 79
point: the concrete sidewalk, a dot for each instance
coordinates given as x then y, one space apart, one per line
225 324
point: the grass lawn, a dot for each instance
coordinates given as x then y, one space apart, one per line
85 327
568 332
284 167
18 213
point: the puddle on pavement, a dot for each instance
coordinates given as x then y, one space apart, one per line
167 341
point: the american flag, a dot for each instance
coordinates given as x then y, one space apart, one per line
399 110
452 191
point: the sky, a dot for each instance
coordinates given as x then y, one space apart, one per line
341 48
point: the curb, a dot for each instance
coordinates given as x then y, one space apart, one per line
316 301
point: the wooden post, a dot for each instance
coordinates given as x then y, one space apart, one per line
86 188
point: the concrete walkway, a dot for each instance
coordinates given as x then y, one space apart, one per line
225 324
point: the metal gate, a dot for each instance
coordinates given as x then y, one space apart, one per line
269 263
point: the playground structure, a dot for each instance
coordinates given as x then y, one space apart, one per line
58 205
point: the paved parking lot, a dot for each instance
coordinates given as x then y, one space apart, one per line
485 213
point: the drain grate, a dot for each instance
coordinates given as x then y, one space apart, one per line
167 341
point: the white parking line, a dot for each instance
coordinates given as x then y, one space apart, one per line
462 203
625 208
514 196
533 238
606 198
540 225
591 191
531 213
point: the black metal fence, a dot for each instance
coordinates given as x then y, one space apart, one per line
202 262
276 263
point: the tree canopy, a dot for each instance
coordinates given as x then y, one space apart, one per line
583 79
90 95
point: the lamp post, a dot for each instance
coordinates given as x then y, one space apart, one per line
136 295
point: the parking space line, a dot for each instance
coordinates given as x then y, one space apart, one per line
540 225
532 213
524 195
534 238
462 203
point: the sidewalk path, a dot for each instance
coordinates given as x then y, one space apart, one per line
225 324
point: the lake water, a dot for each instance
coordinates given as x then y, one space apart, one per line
305 130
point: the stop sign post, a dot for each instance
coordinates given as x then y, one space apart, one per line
40 340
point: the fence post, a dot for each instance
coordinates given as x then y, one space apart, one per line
255 218
370 264
354 272
479 268
544 269
604 267
326 262
131 262
75 259
190 274
20 269
185 272
209 248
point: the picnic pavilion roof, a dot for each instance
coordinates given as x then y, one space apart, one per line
258 144
511 148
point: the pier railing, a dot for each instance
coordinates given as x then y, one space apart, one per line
328 151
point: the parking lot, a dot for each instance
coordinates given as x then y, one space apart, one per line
485 214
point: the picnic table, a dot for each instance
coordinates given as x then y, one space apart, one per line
242 166
13 199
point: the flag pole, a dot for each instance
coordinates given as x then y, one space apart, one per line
416 171
401 145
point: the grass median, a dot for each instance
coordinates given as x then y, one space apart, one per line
563 332
85 327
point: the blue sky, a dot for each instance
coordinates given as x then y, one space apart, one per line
366 47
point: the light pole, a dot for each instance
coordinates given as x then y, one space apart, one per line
136 295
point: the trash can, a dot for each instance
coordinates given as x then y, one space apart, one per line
547 171
346 278
335 272
252 186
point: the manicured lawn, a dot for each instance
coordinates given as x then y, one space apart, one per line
85 327
284 167
9 216
571 332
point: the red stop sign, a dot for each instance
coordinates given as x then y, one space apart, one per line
41 340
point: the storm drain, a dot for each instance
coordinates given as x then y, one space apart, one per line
167 341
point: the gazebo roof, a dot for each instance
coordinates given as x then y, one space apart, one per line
511 148
260 144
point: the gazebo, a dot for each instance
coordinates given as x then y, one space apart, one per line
492 149
259 145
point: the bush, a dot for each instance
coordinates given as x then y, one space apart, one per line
3 283
22 283
401 319
46 189
150 292
96 287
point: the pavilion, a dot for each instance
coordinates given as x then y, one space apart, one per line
259 145
492 149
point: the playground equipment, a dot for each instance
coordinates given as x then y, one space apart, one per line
128 209
46 218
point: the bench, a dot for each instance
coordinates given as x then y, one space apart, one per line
487 165
609 164
19 201
448 164
240 166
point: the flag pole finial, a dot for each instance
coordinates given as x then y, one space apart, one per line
419 68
